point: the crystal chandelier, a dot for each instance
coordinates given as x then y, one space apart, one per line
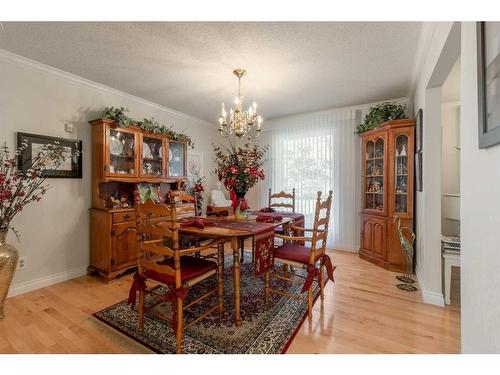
240 122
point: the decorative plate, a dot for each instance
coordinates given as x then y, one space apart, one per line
116 146
146 151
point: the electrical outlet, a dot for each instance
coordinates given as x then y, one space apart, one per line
22 263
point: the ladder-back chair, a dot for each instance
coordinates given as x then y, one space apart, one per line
282 195
313 259
160 260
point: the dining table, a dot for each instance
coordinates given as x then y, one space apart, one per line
235 232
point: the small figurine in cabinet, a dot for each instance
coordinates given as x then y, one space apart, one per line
120 200
178 195
401 187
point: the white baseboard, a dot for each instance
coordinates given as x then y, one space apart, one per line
429 297
28 286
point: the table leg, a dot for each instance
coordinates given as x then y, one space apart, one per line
242 246
236 280
447 281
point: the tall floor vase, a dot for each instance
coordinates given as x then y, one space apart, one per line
8 263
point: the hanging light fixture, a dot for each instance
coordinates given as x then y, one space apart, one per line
240 122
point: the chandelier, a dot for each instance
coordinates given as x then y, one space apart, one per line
240 122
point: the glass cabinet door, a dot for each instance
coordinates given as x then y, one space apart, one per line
374 175
176 159
152 157
401 174
122 146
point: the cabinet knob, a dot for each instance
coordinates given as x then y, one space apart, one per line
126 216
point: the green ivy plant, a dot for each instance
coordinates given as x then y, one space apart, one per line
118 115
153 126
381 113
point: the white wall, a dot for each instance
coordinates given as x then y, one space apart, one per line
450 165
37 99
480 217
479 201
427 95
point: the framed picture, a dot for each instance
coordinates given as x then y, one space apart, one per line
195 163
70 168
488 67
418 171
148 191
419 123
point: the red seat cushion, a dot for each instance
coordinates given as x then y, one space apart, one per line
294 252
191 267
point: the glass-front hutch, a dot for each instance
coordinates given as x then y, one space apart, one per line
387 155
123 158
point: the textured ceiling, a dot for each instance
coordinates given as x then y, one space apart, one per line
292 67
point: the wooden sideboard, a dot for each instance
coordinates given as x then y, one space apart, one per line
122 158
387 186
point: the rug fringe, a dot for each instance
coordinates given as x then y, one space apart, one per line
124 342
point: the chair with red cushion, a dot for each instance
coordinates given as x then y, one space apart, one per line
313 258
160 260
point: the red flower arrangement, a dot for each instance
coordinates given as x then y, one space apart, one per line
239 169
195 188
17 189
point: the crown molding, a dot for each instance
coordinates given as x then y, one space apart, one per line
424 42
94 85
402 100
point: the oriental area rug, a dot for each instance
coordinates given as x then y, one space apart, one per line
264 329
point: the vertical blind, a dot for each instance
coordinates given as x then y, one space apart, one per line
317 152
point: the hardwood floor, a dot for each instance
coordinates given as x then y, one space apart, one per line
363 312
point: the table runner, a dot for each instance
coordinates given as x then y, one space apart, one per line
264 241
298 220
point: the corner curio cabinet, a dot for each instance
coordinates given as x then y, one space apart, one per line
387 188
122 158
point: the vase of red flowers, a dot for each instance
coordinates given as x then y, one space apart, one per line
17 189
239 169
195 187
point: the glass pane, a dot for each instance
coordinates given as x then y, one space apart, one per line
370 150
122 152
401 179
176 159
369 201
379 148
374 172
152 156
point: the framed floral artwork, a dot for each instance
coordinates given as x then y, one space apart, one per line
488 67
71 167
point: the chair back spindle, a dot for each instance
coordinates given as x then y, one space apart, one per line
282 195
320 227
153 234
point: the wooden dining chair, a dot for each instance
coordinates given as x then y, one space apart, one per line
161 260
313 259
280 196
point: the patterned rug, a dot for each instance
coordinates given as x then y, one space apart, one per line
264 330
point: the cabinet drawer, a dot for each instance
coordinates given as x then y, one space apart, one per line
119 217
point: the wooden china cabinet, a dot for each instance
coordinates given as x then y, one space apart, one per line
387 165
122 158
